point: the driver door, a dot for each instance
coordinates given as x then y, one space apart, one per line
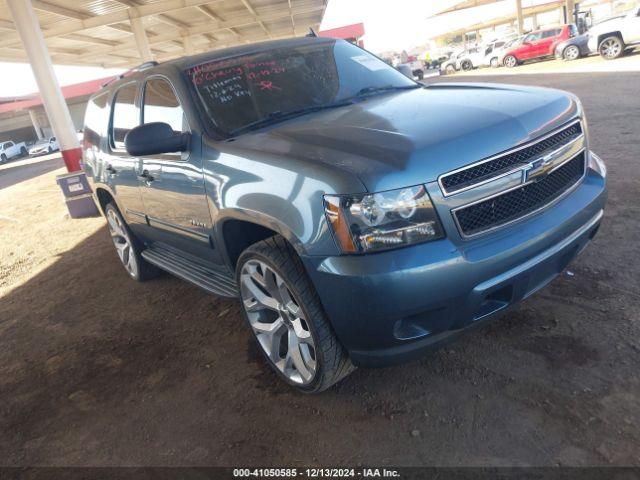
173 188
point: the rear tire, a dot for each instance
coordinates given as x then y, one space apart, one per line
23 151
611 48
495 63
510 61
285 315
128 247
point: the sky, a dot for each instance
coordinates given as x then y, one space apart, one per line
389 25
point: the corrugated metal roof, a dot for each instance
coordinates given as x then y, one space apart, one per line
97 32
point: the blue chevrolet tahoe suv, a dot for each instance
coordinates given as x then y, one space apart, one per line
361 218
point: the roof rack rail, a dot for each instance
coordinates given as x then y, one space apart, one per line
139 68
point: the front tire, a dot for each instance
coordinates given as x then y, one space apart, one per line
571 53
510 61
285 314
467 65
611 48
128 247
450 70
3 158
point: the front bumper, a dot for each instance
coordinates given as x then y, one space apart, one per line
390 307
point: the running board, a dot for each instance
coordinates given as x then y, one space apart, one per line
213 281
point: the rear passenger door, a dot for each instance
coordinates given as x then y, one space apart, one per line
173 186
547 41
122 170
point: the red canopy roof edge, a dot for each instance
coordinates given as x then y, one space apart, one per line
69 92
348 31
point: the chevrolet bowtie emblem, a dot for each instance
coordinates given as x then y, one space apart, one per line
537 170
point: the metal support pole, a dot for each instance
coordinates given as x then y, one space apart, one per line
36 124
141 38
520 17
26 23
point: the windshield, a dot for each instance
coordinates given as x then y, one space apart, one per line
254 89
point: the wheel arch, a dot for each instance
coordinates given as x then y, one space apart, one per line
238 230
104 196
604 36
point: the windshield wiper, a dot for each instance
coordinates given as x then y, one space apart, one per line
279 116
365 92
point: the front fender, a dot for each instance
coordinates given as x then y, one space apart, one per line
281 193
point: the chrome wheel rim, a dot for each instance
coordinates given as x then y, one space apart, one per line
511 62
278 322
122 243
610 48
572 53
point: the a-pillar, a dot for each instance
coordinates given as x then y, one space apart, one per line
26 23
36 124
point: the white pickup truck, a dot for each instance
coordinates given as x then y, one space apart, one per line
9 150
611 37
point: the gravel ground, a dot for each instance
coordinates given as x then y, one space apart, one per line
96 369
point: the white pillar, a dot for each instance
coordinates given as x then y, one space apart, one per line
26 23
36 124
141 38
520 16
569 4
534 18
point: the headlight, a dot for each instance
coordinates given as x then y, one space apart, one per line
381 221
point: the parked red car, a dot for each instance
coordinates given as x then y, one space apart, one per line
541 43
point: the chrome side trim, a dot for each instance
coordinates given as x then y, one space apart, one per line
545 206
447 193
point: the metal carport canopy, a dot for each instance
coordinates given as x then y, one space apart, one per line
107 32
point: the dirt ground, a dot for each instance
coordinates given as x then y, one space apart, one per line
96 369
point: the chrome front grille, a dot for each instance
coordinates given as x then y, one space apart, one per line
504 163
521 201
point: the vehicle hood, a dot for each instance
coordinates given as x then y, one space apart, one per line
411 137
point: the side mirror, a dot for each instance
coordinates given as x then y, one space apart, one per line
154 139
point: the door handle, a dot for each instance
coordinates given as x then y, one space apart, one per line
111 170
146 177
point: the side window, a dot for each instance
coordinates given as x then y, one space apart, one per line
8 145
96 119
162 105
532 37
125 114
